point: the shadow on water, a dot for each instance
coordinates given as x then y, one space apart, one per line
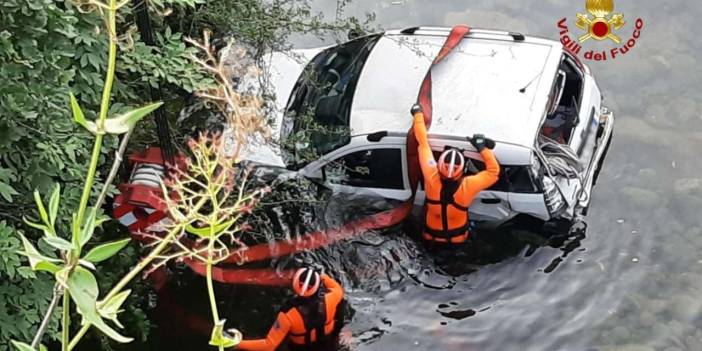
384 272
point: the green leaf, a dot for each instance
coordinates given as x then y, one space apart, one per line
86 233
54 204
59 243
77 112
105 251
83 289
122 123
41 227
110 308
40 207
87 264
20 346
218 337
37 261
7 191
205 232
100 220
84 292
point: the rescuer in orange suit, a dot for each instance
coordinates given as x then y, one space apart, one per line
448 192
309 321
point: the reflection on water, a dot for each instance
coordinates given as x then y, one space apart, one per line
631 279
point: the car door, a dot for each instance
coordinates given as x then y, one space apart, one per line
371 169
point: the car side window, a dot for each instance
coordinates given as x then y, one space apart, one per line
372 168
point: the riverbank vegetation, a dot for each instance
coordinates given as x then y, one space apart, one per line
52 50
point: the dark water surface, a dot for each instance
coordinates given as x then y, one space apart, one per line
630 280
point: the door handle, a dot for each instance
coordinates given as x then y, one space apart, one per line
490 201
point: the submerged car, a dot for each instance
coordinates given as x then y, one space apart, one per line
344 116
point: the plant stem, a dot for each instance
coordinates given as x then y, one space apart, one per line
210 286
104 109
95 157
111 62
115 167
58 291
66 324
87 188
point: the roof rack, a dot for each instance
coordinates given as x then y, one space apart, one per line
409 30
516 36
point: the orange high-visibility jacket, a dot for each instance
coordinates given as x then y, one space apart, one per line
447 221
298 323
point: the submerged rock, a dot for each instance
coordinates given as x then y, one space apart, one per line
647 319
686 208
688 186
654 306
628 347
621 333
691 282
642 198
684 308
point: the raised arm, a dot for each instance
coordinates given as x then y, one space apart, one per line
426 158
484 179
275 336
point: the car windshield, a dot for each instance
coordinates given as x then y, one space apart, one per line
317 115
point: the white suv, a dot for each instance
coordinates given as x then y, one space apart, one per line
350 105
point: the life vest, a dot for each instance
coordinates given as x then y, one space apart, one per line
316 328
446 199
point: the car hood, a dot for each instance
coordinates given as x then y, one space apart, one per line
280 72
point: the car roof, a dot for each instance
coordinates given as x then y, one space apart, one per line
493 83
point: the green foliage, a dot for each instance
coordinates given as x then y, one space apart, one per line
21 306
7 191
52 65
105 251
84 292
10 259
21 300
221 339
49 51
167 62
20 346
267 24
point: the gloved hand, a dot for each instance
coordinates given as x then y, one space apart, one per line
480 142
317 267
415 108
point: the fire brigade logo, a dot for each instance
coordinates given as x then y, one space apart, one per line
601 25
